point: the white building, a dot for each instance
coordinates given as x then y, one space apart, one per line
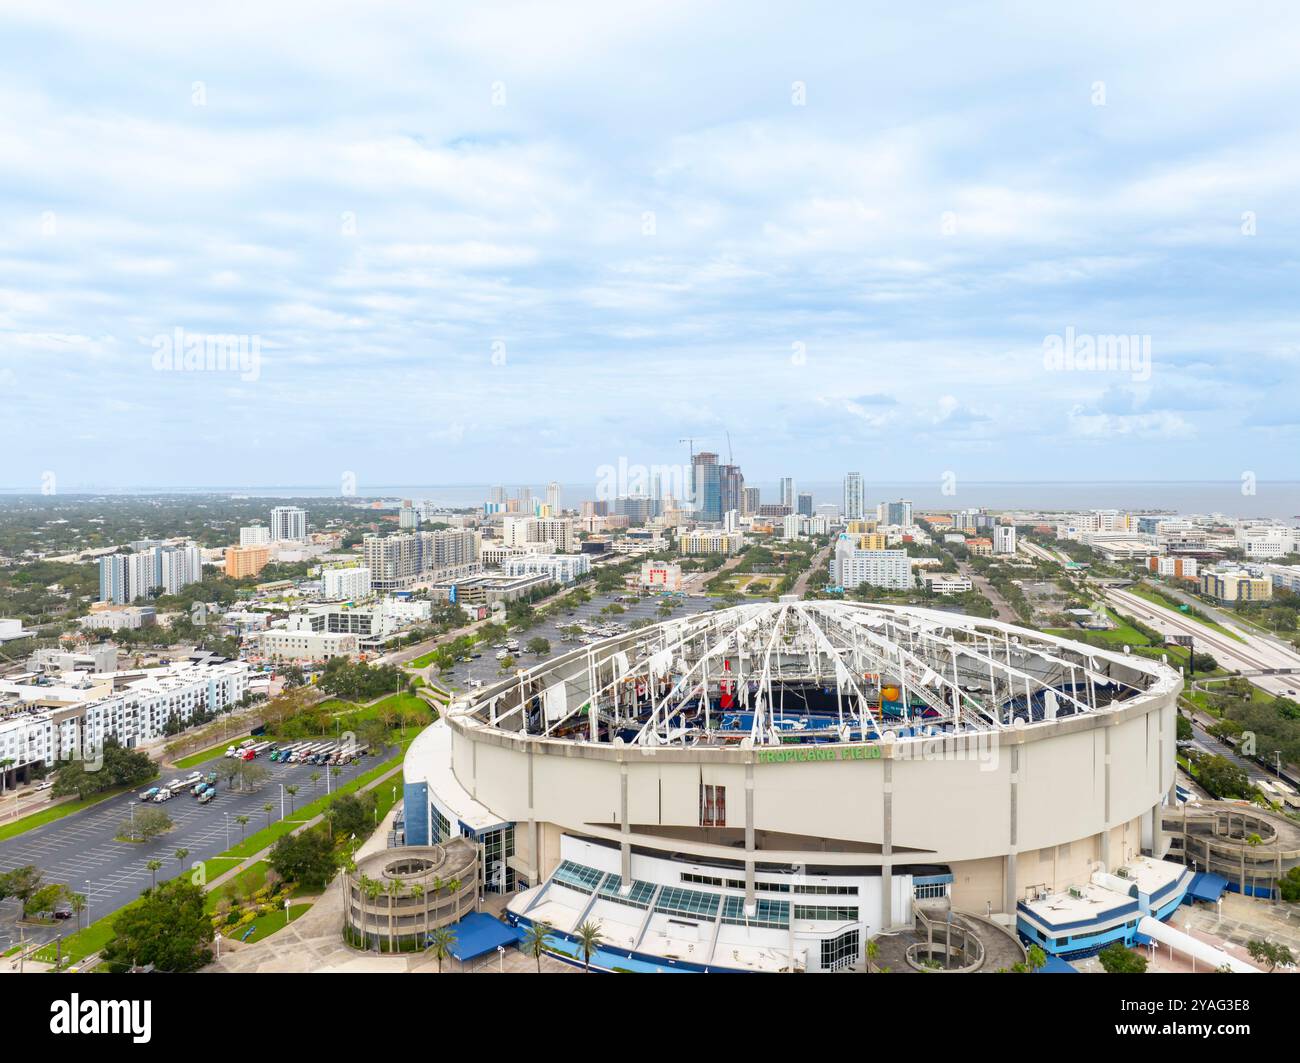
289 524
132 619
851 567
788 495
83 710
946 582
338 584
559 568
255 535
854 507
285 645
1004 538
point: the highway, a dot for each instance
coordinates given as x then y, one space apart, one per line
1252 655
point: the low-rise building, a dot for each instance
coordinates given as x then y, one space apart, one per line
558 568
1235 586
711 541
299 645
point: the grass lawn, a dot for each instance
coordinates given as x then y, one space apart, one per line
1147 594
266 925
49 815
211 753
250 879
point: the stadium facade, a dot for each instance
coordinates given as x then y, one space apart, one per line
768 787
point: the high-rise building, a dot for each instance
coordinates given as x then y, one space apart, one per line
750 500
854 507
397 561
125 577
408 517
338 584
899 513
498 495
787 493
553 497
289 524
1004 538
731 486
851 566
243 561
254 535
805 507
706 483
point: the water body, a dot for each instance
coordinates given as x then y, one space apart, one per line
1276 499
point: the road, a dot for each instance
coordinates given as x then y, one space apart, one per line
1001 610
817 568
1253 654
79 849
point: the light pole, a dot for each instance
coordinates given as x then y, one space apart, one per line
282 800
501 958
227 815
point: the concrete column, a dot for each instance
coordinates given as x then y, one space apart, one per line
1009 893
887 842
534 835
625 847
751 903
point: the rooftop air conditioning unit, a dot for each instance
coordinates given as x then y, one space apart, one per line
1076 892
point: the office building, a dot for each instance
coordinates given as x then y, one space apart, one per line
805 507
706 485
289 524
786 493
854 507
850 567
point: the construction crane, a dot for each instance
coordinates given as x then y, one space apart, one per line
692 440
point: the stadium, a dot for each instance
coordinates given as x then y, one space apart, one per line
773 787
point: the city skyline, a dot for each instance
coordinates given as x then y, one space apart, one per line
720 238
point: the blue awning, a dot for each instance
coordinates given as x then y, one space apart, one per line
1207 886
477 934
1056 965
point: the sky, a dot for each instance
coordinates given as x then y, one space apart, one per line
519 242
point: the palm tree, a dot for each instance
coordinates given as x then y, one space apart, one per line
589 940
441 942
5 765
78 902
873 950
291 791
453 888
315 781
268 808
535 940
153 866
417 891
181 854
243 822
393 891
373 888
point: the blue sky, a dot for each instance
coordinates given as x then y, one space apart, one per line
482 243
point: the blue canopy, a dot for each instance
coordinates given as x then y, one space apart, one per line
479 933
1056 965
1207 887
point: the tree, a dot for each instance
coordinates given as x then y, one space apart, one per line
21 882
145 825
1183 731
45 898
243 825
292 791
79 903
441 942
873 950
167 928
268 808
154 865
1116 959
1290 885
535 940
181 854
1036 956
306 858
1269 953
417 891
315 781
538 645
589 940
117 767
351 814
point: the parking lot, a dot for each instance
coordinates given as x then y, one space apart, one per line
79 850
487 668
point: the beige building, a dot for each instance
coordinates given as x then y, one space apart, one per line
851 759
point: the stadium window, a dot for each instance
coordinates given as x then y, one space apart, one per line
713 805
